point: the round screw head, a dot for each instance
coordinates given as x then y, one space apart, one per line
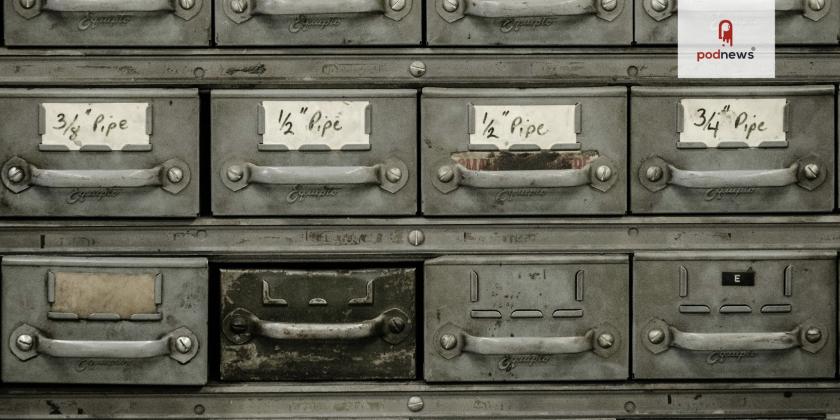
235 173
186 4
417 69
609 5
239 6
446 174
448 341
606 340
659 5
603 173
654 173
15 174
183 344
396 325
239 325
415 404
27 4
175 175
816 4
656 336
24 342
396 5
451 5
394 175
416 237
812 171
813 335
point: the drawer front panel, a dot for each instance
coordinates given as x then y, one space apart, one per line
734 315
527 318
104 320
318 325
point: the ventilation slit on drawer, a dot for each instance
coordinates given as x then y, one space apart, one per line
694 309
526 313
485 314
735 309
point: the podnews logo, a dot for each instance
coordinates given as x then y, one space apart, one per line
726 34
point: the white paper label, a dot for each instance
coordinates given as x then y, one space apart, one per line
334 124
750 121
115 125
504 126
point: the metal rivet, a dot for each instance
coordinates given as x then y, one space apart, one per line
654 173
397 325
448 341
451 5
813 335
656 336
187 4
606 340
609 5
629 406
446 174
235 173
239 6
416 237
183 344
198 409
397 5
417 69
812 171
816 4
659 5
15 174
27 4
603 173
394 175
239 325
24 342
175 175
415 404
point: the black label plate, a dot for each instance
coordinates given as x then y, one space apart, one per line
746 278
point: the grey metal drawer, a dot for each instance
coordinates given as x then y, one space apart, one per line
738 315
99 152
511 318
314 152
104 320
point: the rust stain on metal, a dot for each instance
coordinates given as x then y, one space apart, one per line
523 161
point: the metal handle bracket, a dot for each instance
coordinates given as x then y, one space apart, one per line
185 9
455 10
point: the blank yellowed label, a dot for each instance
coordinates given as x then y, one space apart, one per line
104 293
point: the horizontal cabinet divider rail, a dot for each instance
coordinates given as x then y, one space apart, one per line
398 238
379 67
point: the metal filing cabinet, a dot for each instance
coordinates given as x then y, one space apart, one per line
541 22
798 22
739 315
732 149
524 151
321 22
104 320
99 152
84 23
318 324
548 318
314 152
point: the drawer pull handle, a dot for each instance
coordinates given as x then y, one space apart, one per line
391 175
454 10
242 10
658 337
18 175
392 326
451 341
600 174
814 10
27 342
185 9
656 174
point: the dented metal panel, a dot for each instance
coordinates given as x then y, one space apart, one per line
549 318
46 339
318 324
